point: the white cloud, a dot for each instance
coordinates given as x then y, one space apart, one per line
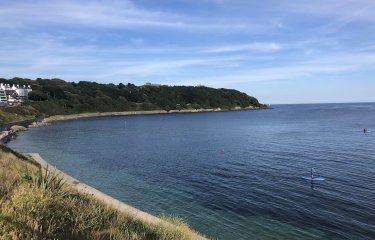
337 65
261 47
77 40
96 14
46 54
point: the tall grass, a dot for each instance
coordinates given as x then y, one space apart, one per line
37 204
5 149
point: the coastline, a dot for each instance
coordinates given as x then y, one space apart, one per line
6 134
106 199
56 118
12 129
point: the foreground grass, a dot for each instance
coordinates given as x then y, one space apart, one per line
36 204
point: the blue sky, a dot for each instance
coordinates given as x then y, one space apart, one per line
280 51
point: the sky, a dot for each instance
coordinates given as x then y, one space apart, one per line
280 51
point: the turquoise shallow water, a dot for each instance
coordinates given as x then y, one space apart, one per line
230 175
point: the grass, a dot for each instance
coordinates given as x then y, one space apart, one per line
37 204
4 149
17 113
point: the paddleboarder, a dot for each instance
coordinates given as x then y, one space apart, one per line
312 178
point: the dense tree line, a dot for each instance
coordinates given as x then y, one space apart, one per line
56 96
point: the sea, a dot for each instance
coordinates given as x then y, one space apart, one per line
230 175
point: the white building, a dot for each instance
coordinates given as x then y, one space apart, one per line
3 97
13 94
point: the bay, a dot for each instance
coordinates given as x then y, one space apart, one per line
230 175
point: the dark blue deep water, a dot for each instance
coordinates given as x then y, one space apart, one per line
230 175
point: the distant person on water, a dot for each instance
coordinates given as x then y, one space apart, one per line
364 130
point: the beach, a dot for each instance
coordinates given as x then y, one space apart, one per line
129 113
10 134
229 175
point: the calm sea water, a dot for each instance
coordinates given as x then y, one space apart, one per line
230 175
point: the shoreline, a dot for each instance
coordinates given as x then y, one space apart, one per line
56 118
106 199
7 135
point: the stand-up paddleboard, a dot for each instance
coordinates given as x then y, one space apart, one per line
313 179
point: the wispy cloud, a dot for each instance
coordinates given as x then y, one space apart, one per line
47 54
328 66
261 47
102 14
210 42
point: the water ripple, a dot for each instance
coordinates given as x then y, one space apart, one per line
234 175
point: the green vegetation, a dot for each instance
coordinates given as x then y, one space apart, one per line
4 149
17 113
36 204
55 96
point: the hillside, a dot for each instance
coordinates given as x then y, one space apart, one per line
56 96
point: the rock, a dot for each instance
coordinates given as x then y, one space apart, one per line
4 134
38 124
16 128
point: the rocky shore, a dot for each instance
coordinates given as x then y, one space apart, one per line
7 135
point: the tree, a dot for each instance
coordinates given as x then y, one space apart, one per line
38 96
196 106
